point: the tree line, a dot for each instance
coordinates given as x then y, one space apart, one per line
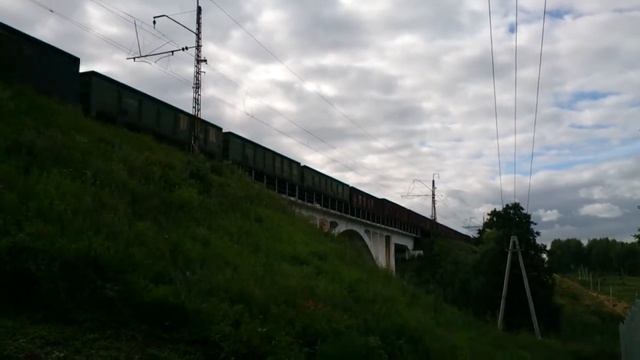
473 280
603 255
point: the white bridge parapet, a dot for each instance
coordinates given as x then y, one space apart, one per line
380 240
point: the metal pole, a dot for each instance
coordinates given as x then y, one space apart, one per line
610 294
433 199
197 78
532 308
505 284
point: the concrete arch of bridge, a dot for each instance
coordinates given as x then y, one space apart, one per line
360 241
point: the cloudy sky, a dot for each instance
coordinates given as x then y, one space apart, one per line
378 92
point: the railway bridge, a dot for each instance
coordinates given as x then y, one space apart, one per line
383 242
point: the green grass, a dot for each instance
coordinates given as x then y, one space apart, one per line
113 245
587 325
621 287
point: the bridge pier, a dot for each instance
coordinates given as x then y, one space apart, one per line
380 240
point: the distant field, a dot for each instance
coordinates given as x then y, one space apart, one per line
623 288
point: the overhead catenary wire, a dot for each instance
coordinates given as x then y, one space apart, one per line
535 116
182 13
495 104
130 18
280 113
104 38
81 26
124 49
126 14
265 123
299 77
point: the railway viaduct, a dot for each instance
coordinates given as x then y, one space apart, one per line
383 242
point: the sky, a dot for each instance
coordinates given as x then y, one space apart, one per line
377 93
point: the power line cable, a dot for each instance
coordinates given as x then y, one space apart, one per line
124 17
104 38
265 123
296 75
286 117
144 26
515 104
495 103
182 13
275 110
81 26
272 108
187 81
535 117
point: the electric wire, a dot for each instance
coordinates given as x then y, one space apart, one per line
187 81
124 15
280 113
495 104
275 129
535 116
182 13
296 75
81 26
515 105
115 11
129 18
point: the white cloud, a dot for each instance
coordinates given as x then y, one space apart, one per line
595 193
601 210
548 215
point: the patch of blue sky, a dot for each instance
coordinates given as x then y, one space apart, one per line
577 97
625 10
590 127
558 13
597 151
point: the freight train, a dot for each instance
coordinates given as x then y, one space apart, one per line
104 98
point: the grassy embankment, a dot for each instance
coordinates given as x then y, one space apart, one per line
588 322
115 246
619 287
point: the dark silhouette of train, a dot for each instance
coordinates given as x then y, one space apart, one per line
55 73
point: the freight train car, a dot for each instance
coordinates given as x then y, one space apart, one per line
107 99
276 171
29 61
324 190
398 217
365 206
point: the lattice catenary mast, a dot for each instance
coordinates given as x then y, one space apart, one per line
196 107
197 65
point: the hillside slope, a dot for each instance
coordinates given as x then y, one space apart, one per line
589 323
113 245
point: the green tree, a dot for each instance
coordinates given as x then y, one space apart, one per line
600 255
637 236
489 271
565 256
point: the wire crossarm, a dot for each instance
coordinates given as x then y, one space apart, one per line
434 217
170 52
175 21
